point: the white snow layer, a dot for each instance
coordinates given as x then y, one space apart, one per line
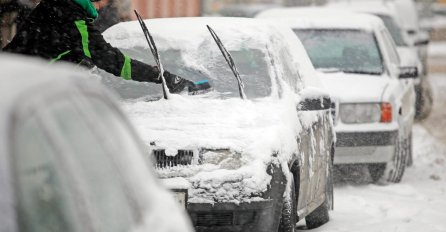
254 129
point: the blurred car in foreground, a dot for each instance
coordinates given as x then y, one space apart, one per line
254 164
400 18
69 161
375 97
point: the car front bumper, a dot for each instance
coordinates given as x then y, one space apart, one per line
365 147
254 216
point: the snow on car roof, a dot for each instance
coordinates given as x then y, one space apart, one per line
403 11
190 34
189 31
369 6
316 17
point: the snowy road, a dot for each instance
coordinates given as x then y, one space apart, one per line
418 203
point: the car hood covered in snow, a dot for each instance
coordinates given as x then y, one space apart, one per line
233 141
354 87
253 130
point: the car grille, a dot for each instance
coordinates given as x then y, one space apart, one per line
183 158
214 219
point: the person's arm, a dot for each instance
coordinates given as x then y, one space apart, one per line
111 59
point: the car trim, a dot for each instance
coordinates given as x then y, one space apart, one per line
357 139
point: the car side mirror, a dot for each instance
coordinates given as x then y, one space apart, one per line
314 104
408 72
421 42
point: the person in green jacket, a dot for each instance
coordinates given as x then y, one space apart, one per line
63 30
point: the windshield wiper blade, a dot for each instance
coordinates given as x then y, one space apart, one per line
230 61
361 72
156 55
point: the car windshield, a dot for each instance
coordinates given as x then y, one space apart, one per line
253 65
350 51
394 29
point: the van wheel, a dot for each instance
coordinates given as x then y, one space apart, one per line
289 211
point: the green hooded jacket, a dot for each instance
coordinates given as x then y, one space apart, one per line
88 6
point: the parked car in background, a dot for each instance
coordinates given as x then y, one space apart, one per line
245 10
69 160
400 18
256 164
375 97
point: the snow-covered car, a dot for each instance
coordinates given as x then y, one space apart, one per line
375 97
400 18
69 160
254 164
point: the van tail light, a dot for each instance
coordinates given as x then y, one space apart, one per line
386 112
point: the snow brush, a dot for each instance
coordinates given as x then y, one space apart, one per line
200 87
156 55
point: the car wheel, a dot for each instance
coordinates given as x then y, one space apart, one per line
319 216
410 151
400 162
376 171
288 219
395 169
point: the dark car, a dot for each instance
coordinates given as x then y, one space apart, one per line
254 154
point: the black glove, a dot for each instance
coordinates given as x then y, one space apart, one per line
175 83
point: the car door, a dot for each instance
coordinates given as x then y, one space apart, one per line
405 91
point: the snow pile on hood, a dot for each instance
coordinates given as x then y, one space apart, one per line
254 129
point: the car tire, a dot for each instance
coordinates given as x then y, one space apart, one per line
319 216
410 151
376 171
399 162
392 172
288 219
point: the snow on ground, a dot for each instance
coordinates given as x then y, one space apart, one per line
418 203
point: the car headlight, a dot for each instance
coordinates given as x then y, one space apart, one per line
224 158
360 113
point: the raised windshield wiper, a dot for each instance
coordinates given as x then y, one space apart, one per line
156 55
230 61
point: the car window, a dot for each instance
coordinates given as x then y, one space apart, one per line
290 73
103 183
45 200
390 47
394 29
351 51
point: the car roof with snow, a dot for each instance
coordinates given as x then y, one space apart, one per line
369 6
192 35
317 17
